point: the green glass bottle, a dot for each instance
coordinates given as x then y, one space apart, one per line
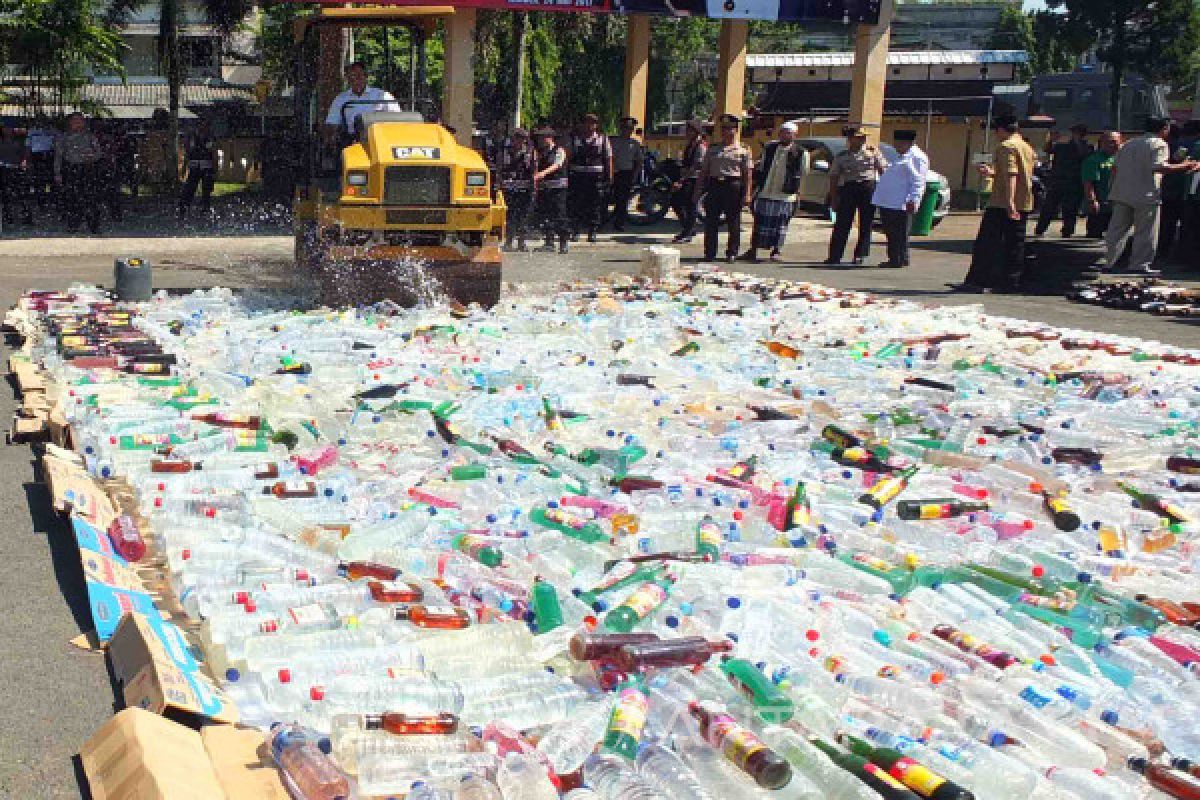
641 603
872 775
708 539
911 773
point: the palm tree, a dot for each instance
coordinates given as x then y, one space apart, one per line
224 15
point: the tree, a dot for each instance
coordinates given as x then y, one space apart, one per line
1052 43
1157 39
224 15
679 85
57 43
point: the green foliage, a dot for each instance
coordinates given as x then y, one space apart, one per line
57 43
1053 44
276 41
679 86
1158 39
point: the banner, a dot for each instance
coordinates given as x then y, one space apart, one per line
843 11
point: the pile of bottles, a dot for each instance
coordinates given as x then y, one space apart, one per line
1150 295
722 539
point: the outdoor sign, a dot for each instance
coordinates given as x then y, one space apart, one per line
844 11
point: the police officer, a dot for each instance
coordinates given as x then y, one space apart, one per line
517 168
683 197
550 182
852 179
591 173
725 177
628 157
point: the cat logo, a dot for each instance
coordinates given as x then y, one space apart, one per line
428 153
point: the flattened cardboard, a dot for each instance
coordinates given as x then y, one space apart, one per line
239 758
73 489
152 660
112 587
137 755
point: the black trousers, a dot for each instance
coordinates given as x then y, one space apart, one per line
998 259
520 204
683 203
202 178
853 198
585 200
1169 235
14 191
622 188
896 225
1097 224
1064 199
724 199
552 214
79 196
1190 233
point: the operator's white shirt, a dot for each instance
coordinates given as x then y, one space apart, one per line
362 103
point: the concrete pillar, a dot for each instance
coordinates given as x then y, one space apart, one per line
331 42
870 70
731 68
637 68
458 103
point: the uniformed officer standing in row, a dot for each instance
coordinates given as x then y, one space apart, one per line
550 183
852 179
591 172
628 156
683 197
725 176
517 167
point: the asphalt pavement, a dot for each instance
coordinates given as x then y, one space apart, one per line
56 695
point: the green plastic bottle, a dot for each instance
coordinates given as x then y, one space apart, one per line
627 720
476 548
547 611
641 603
708 539
771 703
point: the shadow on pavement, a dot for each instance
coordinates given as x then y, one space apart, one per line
64 554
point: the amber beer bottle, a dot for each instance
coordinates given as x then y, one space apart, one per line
436 617
780 349
1171 782
408 724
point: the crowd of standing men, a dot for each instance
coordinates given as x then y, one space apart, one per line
561 185
1142 197
82 171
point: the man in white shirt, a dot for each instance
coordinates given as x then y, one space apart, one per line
1136 196
351 104
898 196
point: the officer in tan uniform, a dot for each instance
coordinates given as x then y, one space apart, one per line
725 176
852 179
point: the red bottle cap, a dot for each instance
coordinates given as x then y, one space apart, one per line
285 675
316 693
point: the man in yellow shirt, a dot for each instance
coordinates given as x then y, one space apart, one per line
998 258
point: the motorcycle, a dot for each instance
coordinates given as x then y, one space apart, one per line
650 199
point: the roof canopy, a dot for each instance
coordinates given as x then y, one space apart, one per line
898 58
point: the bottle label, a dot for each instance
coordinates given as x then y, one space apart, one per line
1034 697
708 534
878 772
312 614
738 743
886 490
441 611
648 597
403 587
933 511
629 716
917 777
297 486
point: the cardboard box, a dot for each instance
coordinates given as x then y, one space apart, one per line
139 755
152 660
73 489
241 763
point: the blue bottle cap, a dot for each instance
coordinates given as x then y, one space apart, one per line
232 675
734 602
1109 717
